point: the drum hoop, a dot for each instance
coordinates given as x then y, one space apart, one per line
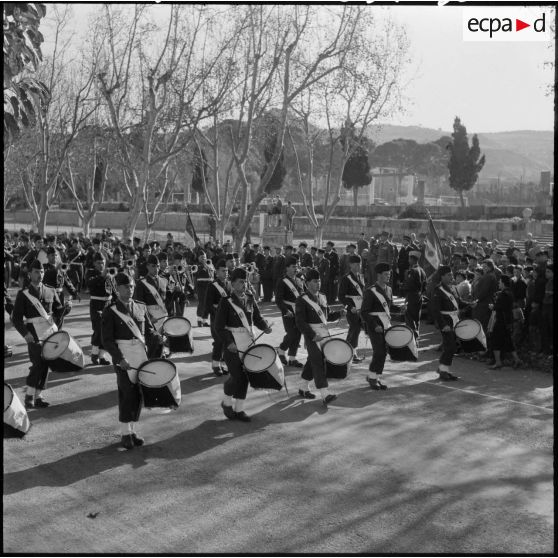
67 336
12 392
337 342
154 360
179 319
399 327
261 368
472 321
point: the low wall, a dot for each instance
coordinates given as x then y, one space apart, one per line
339 228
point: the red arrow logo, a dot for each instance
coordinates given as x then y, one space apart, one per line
519 25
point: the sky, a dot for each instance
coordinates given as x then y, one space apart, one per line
491 86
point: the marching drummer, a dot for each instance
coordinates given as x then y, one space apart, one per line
36 311
351 289
130 338
311 317
217 290
234 319
375 312
152 290
445 305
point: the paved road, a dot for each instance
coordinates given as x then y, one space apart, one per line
424 467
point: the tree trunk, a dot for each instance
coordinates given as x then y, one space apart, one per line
355 199
86 226
43 211
318 235
220 230
131 223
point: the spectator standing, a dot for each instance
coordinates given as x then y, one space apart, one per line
290 213
362 244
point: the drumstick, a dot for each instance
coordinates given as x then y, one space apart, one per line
334 334
246 352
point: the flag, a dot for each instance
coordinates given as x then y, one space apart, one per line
433 257
191 236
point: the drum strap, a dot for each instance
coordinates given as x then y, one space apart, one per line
382 300
220 289
450 297
129 321
316 309
155 294
38 306
291 286
355 285
242 317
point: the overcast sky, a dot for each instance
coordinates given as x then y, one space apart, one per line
492 86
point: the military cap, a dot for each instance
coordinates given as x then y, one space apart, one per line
329 243
354 259
153 260
36 264
229 257
291 260
484 239
415 254
381 267
351 246
321 251
385 233
238 273
267 248
312 274
123 279
303 245
313 248
51 250
288 247
444 270
220 264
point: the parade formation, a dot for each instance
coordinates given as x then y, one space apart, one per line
137 302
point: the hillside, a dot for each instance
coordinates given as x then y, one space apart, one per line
508 154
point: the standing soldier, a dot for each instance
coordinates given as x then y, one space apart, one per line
37 308
403 261
333 258
217 290
266 274
351 289
204 277
322 265
414 287
287 290
386 252
100 287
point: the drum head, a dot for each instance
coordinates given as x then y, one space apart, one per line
259 358
337 351
54 345
8 396
399 336
156 373
176 327
467 329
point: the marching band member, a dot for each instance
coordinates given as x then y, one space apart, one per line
233 324
152 291
130 338
375 313
100 290
204 276
217 290
265 267
414 287
36 310
57 279
351 288
311 317
287 290
331 287
445 309
306 261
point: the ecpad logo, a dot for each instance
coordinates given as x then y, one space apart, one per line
506 24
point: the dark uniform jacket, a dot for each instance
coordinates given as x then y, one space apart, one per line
54 278
213 297
371 303
415 282
333 260
347 289
306 260
143 294
24 309
227 317
306 315
114 327
278 267
323 270
99 287
265 267
441 302
284 293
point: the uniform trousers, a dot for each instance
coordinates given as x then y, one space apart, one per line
449 347
379 352
95 313
38 373
218 348
201 290
314 368
331 291
412 314
130 398
291 341
267 286
355 327
236 384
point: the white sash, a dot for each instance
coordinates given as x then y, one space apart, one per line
242 316
157 312
316 308
356 285
385 316
453 314
155 294
221 290
45 326
129 321
292 286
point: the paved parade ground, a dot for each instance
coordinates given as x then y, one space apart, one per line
425 467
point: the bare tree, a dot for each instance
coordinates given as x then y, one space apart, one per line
153 84
360 92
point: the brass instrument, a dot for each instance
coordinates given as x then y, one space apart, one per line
112 271
8 250
129 263
64 268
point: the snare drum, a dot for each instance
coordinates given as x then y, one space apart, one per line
179 334
401 344
338 356
159 383
16 421
63 353
263 367
471 336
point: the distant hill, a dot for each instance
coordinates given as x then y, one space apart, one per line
511 155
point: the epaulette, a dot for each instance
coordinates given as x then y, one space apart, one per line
139 302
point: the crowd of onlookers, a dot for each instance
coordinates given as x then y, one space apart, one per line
512 283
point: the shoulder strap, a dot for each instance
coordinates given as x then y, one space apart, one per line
129 321
36 304
316 308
